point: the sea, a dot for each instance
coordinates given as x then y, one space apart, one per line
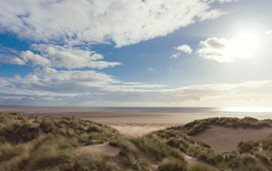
146 114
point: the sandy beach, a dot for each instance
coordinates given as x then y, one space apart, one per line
131 122
136 123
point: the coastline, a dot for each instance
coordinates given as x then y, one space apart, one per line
135 121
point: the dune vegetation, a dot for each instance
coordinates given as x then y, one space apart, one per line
43 143
252 155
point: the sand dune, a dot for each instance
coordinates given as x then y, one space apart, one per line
226 139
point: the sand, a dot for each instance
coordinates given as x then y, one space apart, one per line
132 123
136 131
105 149
226 139
126 115
137 123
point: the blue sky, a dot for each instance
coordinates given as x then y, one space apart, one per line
197 53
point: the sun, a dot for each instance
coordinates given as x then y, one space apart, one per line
243 45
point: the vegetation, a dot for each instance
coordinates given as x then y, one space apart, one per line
199 167
199 126
172 164
29 142
49 143
246 158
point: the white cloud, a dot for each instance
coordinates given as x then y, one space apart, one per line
121 21
175 55
49 79
227 50
184 48
17 61
3 83
84 88
11 56
52 80
63 57
34 58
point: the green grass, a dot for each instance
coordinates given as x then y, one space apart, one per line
90 161
248 146
130 154
172 164
198 126
199 167
180 137
23 147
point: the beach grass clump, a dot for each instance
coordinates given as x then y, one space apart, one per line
130 154
49 160
18 132
48 126
172 164
209 156
87 132
248 146
199 167
185 143
235 161
267 143
158 149
15 156
92 161
260 149
264 158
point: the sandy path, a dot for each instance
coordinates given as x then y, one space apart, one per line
226 139
100 148
136 131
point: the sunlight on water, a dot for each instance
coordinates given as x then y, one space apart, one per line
248 109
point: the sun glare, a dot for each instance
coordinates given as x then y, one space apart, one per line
248 109
243 45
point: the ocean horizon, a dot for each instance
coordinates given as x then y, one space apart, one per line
153 113
159 109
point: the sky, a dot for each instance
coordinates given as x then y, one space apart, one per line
136 53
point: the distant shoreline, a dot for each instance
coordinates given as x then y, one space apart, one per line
138 116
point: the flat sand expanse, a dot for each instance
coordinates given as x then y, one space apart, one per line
132 123
226 139
129 116
139 122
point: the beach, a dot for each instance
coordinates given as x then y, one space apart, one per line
216 136
138 121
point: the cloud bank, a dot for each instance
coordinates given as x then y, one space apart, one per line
49 87
65 57
123 22
62 33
